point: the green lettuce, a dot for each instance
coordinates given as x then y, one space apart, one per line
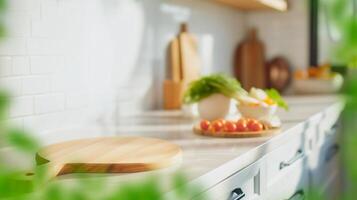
212 84
275 96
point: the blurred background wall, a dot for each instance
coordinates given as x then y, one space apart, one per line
69 63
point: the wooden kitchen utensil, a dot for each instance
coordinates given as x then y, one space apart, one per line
249 64
279 73
223 134
184 66
190 60
173 87
174 61
109 155
173 94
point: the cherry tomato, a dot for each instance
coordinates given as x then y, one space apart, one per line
242 125
255 127
223 121
217 125
251 121
230 126
205 125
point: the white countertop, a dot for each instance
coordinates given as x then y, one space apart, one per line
208 160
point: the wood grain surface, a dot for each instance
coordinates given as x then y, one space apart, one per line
264 133
174 61
189 57
109 155
250 62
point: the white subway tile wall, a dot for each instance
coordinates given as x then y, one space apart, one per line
22 106
75 63
285 34
69 63
5 66
20 65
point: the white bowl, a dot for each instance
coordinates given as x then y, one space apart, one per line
257 112
214 107
318 86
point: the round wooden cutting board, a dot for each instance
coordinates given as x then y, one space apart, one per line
109 155
264 133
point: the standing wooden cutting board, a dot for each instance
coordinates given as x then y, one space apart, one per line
173 87
109 155
174 60
190 59
184 67
250 62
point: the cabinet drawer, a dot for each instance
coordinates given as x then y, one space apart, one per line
328 124
291 184
326 161
286 156
246 184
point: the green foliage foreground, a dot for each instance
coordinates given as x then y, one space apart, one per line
343 20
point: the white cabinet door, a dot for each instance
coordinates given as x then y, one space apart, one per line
324 162
286 155
328 124
247 184
287 166
292 184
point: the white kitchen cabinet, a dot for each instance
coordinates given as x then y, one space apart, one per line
324 163
306 161
287 169
279 160
315 167
247 184
327 126
291 183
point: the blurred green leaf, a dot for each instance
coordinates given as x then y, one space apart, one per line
147 190
54 192
40 176
342 18
275 95
180 184
4 103
24 142
3 5
212 84
3 31
14 184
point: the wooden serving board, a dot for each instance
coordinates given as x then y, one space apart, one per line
264 133
250 62
109 155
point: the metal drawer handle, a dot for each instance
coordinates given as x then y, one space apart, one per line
331 152
237 194
299 154
299 195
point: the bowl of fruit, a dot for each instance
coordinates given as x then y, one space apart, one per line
317 80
